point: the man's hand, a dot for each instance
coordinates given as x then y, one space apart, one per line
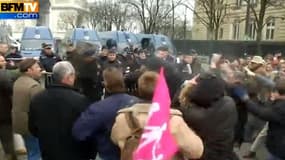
215 59
241 93
249 72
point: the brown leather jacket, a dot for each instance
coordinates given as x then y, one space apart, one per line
189 143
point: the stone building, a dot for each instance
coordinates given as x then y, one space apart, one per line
234 24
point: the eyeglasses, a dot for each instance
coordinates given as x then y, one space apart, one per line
47 48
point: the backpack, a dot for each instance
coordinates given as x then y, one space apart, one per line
133 140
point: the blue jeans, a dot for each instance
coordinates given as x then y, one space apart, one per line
272 157
33 148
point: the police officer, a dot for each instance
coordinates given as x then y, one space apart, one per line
48 59
13 57
112 60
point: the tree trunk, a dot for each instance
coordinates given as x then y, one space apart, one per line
258 41
173 19
210 34
216 34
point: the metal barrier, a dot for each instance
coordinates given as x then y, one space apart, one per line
46 79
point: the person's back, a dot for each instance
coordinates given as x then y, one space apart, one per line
215 125
135 117
276 132
52 114
212 116
190 144
97 121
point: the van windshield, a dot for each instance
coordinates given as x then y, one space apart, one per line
86 35
132 37
39 34
33 44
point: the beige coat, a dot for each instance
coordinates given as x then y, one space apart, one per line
189 143
24 89
2 153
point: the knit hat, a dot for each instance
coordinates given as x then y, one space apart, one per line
26 64
209 89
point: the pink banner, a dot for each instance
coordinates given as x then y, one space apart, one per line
156 142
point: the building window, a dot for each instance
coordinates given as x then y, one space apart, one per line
270 27
238 3
252 30
221 33
236 31
253 2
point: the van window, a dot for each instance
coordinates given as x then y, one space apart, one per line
107 35
122 37
37 33
87 35
132 37
33 44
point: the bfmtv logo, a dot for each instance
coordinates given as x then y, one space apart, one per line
17 9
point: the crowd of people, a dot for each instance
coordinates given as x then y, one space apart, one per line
95 100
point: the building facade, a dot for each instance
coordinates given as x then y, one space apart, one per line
233 26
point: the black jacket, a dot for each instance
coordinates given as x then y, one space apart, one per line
215 125
51 117
90 80
6 88
275 115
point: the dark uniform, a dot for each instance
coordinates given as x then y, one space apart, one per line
116 64
47 58
13 59
48 61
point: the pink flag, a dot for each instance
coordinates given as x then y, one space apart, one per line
156 142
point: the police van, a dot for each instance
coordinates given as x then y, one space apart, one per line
124 40
32 40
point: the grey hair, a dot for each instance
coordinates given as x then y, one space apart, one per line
62 69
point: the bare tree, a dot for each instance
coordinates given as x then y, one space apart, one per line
68 18
152 12
259 11
74 19
5 31
106 14
211 13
